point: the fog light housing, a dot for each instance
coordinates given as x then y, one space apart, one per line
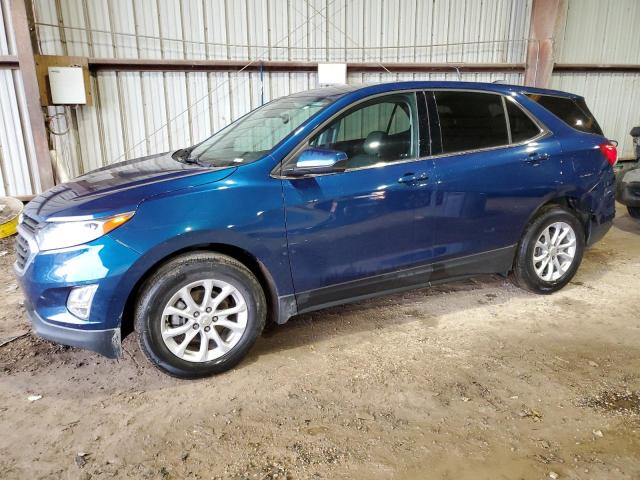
79 301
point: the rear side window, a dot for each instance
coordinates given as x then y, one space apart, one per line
571 111
522 127
471 120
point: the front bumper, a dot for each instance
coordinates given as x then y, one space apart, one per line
49 276
105 342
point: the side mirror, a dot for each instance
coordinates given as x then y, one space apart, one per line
313 161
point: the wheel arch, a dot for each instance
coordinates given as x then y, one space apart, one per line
243 256
568 202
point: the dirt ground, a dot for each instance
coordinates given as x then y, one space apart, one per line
472 380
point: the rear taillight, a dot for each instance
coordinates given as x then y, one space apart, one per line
610 152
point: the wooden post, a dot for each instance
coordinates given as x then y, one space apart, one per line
27 65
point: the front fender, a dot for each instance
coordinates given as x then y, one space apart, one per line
242 211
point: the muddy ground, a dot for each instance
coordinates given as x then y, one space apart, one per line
472 380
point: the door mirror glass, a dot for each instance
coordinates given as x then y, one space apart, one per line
313 161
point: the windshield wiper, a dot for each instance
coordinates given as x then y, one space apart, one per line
183 155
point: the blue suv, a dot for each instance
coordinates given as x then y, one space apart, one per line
316 199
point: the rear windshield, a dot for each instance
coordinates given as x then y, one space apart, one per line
573 112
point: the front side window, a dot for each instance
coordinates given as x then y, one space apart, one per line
378 131
470 120
574 113
254 135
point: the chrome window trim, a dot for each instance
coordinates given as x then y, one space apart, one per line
544 132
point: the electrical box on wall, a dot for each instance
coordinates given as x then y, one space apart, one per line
63 80
67 86
332 73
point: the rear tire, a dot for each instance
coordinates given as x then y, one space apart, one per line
550 251
199 315
634 211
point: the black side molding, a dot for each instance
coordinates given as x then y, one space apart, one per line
494 261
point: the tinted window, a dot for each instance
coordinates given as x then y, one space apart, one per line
469 120
572 112
522 127
381 130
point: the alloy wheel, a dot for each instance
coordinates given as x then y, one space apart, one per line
204 320
554 251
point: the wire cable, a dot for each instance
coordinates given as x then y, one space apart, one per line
171 120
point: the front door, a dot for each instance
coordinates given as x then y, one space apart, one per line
350 232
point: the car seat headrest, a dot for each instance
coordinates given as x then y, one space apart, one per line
375 142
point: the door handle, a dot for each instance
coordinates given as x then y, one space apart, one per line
411 178
536 157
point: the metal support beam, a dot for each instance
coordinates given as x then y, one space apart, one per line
27 65
597 67
544 17
9 61
165 65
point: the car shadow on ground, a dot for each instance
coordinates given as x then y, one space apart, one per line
408 307
389 311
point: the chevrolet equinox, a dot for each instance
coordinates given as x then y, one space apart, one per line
316 199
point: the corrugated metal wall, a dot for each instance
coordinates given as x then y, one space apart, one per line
141 113
598 31
604 32
18 170
614 99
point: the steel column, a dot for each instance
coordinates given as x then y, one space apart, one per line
544 18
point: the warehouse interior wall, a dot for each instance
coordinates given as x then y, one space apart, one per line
603 32
141 113
137 113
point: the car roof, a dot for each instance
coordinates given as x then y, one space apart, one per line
361 90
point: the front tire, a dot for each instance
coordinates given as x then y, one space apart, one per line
199 315
634 212
550 251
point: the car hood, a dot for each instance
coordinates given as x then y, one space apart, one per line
121 187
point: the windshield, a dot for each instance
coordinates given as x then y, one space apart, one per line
255 134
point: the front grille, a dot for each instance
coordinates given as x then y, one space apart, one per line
24 240
29 224
22 252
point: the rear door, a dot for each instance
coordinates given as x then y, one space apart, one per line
494 165
350 232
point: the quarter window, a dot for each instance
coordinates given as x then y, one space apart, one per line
574 113
522 127
471 120
378 131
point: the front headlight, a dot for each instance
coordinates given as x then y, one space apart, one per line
68 233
